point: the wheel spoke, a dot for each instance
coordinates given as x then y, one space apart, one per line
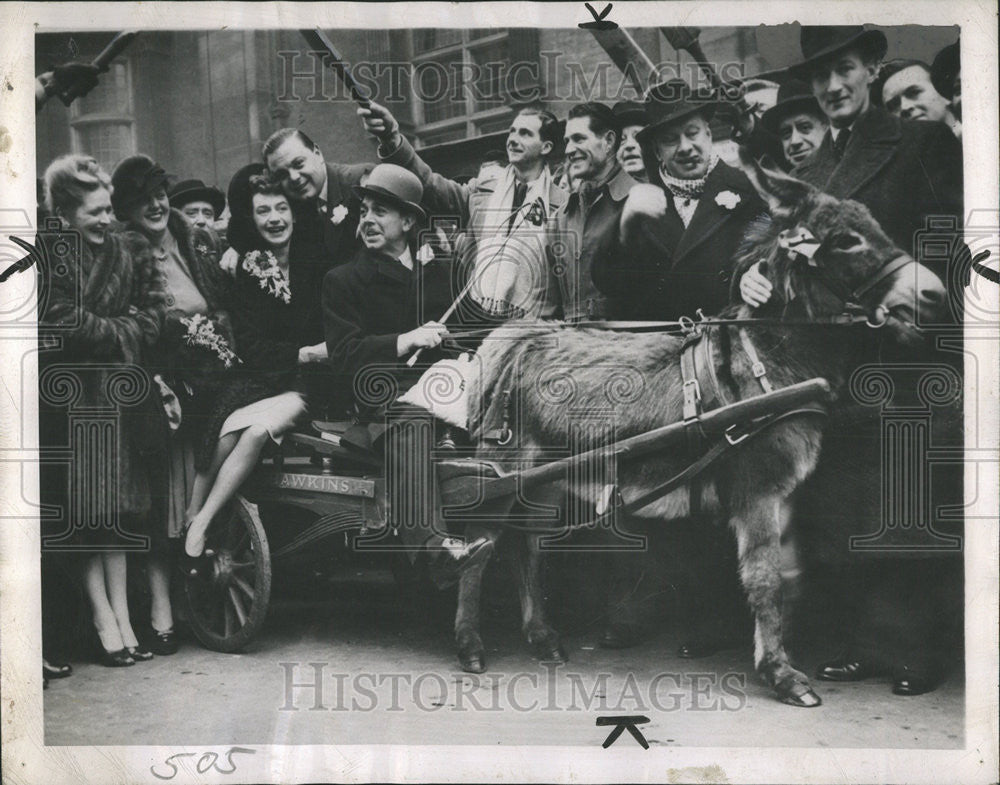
229 620
240 542
238 606
242 565
244 586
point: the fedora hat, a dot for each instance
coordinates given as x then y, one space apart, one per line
133 180
629 113
395 185
674 100
819 42
196 191
794 97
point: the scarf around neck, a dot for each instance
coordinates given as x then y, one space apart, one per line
687 189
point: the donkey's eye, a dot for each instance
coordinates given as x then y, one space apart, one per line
845 242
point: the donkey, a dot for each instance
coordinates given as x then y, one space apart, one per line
551 369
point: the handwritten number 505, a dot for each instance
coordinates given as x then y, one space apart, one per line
208 760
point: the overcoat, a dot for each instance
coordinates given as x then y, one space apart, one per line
103 312
664 270
329 239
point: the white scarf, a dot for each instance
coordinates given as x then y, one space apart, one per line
687 192
510 268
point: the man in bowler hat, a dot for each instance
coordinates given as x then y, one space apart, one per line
201 204
796 121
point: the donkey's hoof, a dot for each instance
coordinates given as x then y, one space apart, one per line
798 694
473 663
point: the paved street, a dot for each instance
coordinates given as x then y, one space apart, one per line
388 675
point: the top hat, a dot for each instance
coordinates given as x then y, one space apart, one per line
629 113
944 69
196 191
820 42
395 185
674 100
794 97
133 180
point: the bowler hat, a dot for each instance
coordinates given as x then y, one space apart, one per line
196 191
133 180
674 100
629 113
395 185
820 42
944 69
794 97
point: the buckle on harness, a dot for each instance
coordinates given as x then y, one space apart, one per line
758 369
734 440
692 397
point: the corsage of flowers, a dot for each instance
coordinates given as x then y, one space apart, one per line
727 199
338 214
263 265
201 332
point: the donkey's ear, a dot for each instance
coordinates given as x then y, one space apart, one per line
782 192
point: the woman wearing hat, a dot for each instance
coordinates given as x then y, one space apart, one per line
631 116
378 310
105 307
196 295
279 333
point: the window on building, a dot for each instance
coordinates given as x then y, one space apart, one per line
459 83
103 121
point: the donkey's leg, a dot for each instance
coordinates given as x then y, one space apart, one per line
543 639
471 653
757 528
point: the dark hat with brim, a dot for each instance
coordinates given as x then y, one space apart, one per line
133 180
820 42
944 69
187 191
794 97
629 113
674 100
396 186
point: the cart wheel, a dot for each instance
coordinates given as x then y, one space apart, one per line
226 608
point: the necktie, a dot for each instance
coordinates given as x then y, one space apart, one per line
321 205
520 191
840 143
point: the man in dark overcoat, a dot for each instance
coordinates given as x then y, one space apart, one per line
680 231
892 606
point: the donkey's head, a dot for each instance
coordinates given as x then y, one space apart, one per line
825 257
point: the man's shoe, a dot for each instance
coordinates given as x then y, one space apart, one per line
911 681
52 670
452 557
618 635
847 669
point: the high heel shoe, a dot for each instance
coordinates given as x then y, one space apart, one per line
193 566
139 654
116 659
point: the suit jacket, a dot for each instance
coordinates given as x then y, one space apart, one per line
332 239
901 171
666 271
579 240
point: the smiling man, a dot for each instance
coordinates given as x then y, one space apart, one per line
503 210
326 211
905 89
585 229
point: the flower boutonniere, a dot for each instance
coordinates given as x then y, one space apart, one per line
263 265
338 214
728 199
425 254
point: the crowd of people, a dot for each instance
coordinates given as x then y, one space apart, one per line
248 325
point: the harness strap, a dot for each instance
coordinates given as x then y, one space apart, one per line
756 365
691 411
729 441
